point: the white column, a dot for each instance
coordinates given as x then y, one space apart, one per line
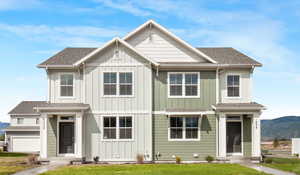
43 136
256 135
222 136
78 135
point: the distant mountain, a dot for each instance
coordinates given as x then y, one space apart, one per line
2 126
283 128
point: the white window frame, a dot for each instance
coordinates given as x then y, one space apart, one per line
240 85
37 121
183 85
118 84
184 129
66 73
17 118
117 139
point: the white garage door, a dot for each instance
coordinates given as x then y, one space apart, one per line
26 144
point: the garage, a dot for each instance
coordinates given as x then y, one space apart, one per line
25 144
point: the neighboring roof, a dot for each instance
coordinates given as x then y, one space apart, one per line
66 57
228 55
118 40
238 106
62 106
164 30
26 108
22 128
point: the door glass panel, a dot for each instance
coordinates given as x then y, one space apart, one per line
233 132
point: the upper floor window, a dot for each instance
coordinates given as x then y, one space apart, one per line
117 127
233 85
117 83
37 121
184 128
66 85
20 121
184 84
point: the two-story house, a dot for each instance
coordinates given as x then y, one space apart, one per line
149 93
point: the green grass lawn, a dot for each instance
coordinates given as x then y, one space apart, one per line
12 162
156 169
285 164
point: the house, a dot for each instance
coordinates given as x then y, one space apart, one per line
149 93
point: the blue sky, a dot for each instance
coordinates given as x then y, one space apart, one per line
267 30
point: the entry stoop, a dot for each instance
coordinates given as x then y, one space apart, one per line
239 159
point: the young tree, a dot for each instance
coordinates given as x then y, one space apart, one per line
275 143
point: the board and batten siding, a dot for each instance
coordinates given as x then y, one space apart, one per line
161 47
184 149
247 138
138 106
207 97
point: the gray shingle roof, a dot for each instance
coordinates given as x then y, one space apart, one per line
223 55
228 55
26 107
22 128
239 106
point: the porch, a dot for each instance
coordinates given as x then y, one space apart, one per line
61 130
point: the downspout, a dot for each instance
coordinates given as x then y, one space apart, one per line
49 85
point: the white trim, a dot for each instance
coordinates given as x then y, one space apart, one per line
217 86
74 82
118 84
118 40
119 112
12 137
117 128
242 135
20 124
240 85
184 130
184 85
183 113
171 35
14 115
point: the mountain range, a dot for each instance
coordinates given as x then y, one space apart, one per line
2 126
282 128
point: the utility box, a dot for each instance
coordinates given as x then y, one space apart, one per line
296 146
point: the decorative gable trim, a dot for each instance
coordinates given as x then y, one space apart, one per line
164 30
114 40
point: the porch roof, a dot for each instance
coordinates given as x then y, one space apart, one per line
253 106
62 106
178 111
22 128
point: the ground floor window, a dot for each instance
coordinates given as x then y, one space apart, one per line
184 128
117 127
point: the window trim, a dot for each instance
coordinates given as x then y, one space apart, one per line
37 121
183 85
184 139
240 85
20 118
117 128
118 84
66 73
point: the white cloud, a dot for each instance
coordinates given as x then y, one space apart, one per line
18 4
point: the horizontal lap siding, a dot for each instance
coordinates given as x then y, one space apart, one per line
52 135
184 149
247 141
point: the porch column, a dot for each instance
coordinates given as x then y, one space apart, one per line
43 136
256 152
222 136
78 135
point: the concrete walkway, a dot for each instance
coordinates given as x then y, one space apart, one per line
266 169
38 170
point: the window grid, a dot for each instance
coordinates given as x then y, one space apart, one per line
184 84
118 84
118 128
184 129
66 86
234 86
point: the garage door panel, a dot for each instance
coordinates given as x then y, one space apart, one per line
26 144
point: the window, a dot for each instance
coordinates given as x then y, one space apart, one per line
118 83
20 121
184 128
233 86
184 84
117 127
66 85
37 121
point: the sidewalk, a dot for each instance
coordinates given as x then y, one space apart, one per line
266 169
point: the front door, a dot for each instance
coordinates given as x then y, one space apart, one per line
66 138
234 137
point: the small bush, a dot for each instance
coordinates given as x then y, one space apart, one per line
209 159
275 143
32 159
96 159
297 155
268 160
178 160
139 159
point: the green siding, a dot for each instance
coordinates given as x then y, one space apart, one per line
207 93
52 135
185 149
247 137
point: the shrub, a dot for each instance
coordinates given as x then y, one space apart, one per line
268 160
96 159
32 159
139 159
275 143
297 155
178 160
209 159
